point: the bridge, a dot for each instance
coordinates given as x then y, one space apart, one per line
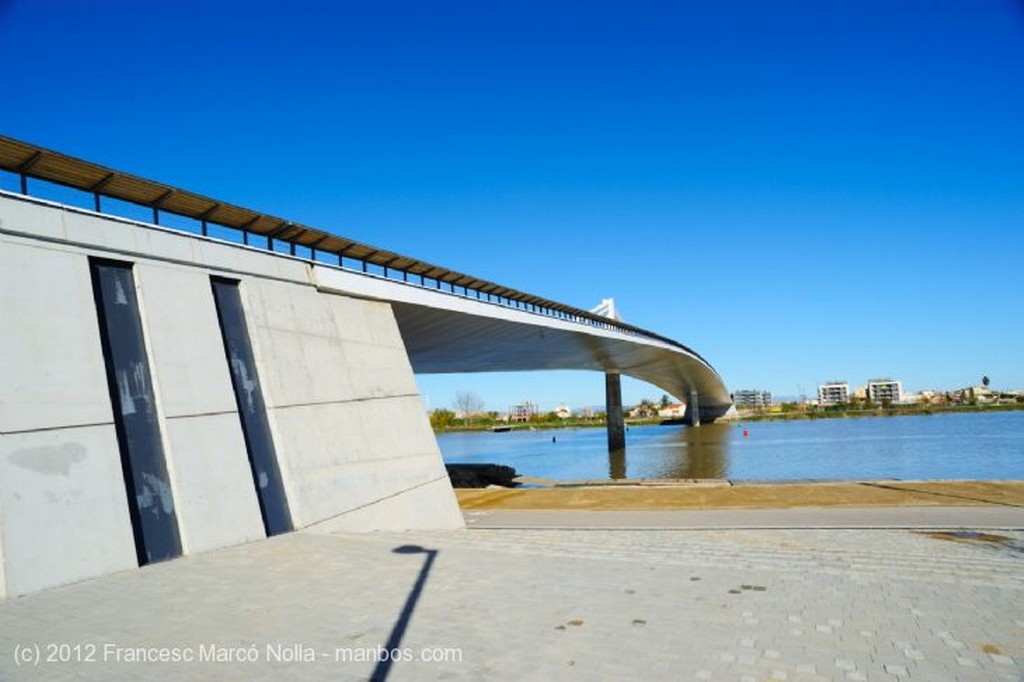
450 322
157 364
447 333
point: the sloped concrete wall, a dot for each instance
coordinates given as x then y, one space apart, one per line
207 461
63 507
352 438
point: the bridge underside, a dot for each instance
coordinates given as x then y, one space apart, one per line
448 334
448 341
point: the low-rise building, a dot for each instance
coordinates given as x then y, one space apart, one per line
884 391
833 393
645 410
674 411
752 398
522 412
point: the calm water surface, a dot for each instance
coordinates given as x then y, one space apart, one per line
946 446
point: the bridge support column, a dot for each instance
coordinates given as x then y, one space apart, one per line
613 411
693 409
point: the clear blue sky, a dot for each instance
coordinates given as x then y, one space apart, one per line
801 191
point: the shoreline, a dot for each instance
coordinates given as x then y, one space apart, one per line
894 411
713 494
751 416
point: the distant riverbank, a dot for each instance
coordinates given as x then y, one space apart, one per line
891 411
541 426
797 414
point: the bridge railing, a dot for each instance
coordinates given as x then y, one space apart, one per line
34 171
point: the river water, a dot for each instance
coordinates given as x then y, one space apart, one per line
932 447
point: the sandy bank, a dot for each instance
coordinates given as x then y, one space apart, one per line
723 495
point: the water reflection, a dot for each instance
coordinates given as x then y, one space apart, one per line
934 447
700 452
617 464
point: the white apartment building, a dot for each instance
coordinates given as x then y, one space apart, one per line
881 390
833 393
752 398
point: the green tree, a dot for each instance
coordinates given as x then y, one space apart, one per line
441 419
985 381
665 401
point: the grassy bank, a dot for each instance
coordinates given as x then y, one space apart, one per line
458 426
796 412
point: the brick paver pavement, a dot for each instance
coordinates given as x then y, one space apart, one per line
544 604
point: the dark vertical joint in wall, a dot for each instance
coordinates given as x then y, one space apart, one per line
252 410
151 505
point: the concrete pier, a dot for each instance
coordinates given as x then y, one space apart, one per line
693 409
613 410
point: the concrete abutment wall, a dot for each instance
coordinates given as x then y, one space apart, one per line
353 441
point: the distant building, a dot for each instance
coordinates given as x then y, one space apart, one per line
563 411
984 394
748 397
834 393
644 410
675 411
522 412
884 390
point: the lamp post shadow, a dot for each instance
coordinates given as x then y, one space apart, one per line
383 668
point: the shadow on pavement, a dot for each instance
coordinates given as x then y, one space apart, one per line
380 673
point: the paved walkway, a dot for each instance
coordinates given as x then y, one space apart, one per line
544 604
989 517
